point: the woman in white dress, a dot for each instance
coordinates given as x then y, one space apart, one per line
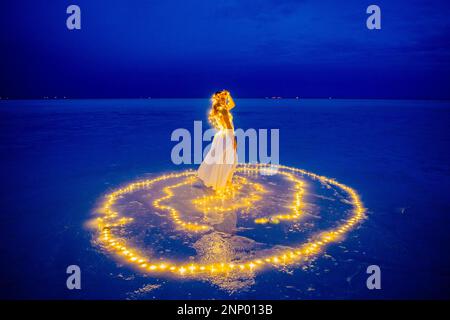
217 168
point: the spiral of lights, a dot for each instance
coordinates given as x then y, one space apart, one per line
110 217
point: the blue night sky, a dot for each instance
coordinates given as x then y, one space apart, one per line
254 48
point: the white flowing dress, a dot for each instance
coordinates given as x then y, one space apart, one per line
220 163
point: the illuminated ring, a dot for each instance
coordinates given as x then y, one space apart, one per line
309 249
194 226
243 203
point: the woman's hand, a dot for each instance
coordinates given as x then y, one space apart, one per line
230 102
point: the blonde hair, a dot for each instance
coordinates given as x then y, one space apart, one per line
220 103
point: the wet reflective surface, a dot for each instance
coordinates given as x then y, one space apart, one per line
60 158
258 221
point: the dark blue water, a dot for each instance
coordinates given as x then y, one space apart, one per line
59 157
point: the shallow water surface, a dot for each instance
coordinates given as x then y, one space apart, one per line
60 157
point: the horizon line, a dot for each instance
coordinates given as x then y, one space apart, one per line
203 98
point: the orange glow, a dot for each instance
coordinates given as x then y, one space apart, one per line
110 217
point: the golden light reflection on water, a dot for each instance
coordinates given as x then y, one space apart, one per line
216 257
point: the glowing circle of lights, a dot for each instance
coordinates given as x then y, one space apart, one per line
110 218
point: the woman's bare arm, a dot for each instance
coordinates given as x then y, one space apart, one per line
226 119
